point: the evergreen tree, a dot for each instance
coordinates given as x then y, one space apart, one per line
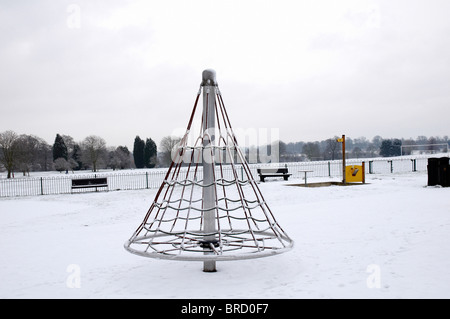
385 148
59 148
390 147
76 156
138 152
150 153
396 149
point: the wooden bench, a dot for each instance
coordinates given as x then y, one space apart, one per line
273 172
95 182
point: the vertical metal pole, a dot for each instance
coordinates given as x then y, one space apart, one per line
343 160
209 195
363 172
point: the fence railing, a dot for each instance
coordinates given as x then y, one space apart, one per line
53 185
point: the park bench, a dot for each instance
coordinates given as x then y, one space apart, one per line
94 182
273 172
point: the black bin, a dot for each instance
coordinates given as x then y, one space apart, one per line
439 171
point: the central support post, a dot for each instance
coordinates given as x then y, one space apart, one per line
209 85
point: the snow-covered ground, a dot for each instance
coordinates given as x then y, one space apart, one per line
386 239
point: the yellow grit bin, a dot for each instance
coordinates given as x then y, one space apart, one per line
355 173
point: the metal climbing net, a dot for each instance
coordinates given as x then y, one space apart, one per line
198 212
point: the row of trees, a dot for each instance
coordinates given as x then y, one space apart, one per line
25 153
91 153
328 149
361 147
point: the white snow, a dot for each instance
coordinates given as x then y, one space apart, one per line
386 239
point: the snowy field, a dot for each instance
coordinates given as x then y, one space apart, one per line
386 239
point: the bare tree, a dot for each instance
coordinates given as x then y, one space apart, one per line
43 161
70 143
93 148
8 150
312 150
357 152
167 145
27 153
119 158
331 148
125 156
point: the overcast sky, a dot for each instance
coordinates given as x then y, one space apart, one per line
312 69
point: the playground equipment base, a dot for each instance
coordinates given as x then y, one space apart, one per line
323 184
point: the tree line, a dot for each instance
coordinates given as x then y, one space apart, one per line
361 147
25 153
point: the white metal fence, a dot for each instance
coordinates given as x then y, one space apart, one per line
30 186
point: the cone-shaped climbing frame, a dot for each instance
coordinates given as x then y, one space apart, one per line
202 210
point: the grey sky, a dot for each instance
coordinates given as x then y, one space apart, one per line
313 69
